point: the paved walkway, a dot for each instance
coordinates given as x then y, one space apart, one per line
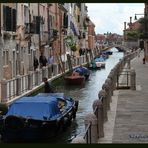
128 117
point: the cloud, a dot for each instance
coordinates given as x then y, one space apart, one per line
111 16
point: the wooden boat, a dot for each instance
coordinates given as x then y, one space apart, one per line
101 64
38 117
83 71
74 79
94 66
98 63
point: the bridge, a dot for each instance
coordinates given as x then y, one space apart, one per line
119 47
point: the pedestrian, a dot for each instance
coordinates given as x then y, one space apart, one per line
139 50
80 51
48 88
42 60
83 51
144 60
35 63
51 61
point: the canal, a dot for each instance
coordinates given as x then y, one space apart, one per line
86 95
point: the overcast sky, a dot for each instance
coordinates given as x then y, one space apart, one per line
110 17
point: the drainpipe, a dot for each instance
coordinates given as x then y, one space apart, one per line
1 50
48 6
29 45
39 31
60 35
48 23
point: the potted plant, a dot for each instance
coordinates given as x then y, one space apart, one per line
71 43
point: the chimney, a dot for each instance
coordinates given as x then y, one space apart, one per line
124 25
130 19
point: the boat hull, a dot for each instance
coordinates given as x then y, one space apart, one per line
31 133
33 130
74 80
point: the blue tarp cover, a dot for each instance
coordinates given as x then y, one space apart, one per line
40 107
82 70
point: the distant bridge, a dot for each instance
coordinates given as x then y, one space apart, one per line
118 47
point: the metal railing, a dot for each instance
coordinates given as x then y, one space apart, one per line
11 88
123 79
24 83
21 84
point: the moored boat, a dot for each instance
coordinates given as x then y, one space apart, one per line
74 79
38 117
98 63
82 71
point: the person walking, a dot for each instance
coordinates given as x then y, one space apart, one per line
51 61
144 60
35 63
48 88
80 51
42 60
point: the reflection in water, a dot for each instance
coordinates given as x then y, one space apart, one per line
86 95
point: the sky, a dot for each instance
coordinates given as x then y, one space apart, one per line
110 17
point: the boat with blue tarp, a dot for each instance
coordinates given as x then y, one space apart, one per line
38 117
83 71
78 76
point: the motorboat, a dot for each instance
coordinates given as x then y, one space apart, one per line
35 118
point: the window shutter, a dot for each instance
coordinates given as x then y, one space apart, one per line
14 20
65 21
4 17
8 19
32 27
37 24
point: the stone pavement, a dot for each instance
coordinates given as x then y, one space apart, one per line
128 117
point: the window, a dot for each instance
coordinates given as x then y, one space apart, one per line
51 21
5 57
42 20
26 14
78 18
9 19
21 53
35 25
29 50
65 20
